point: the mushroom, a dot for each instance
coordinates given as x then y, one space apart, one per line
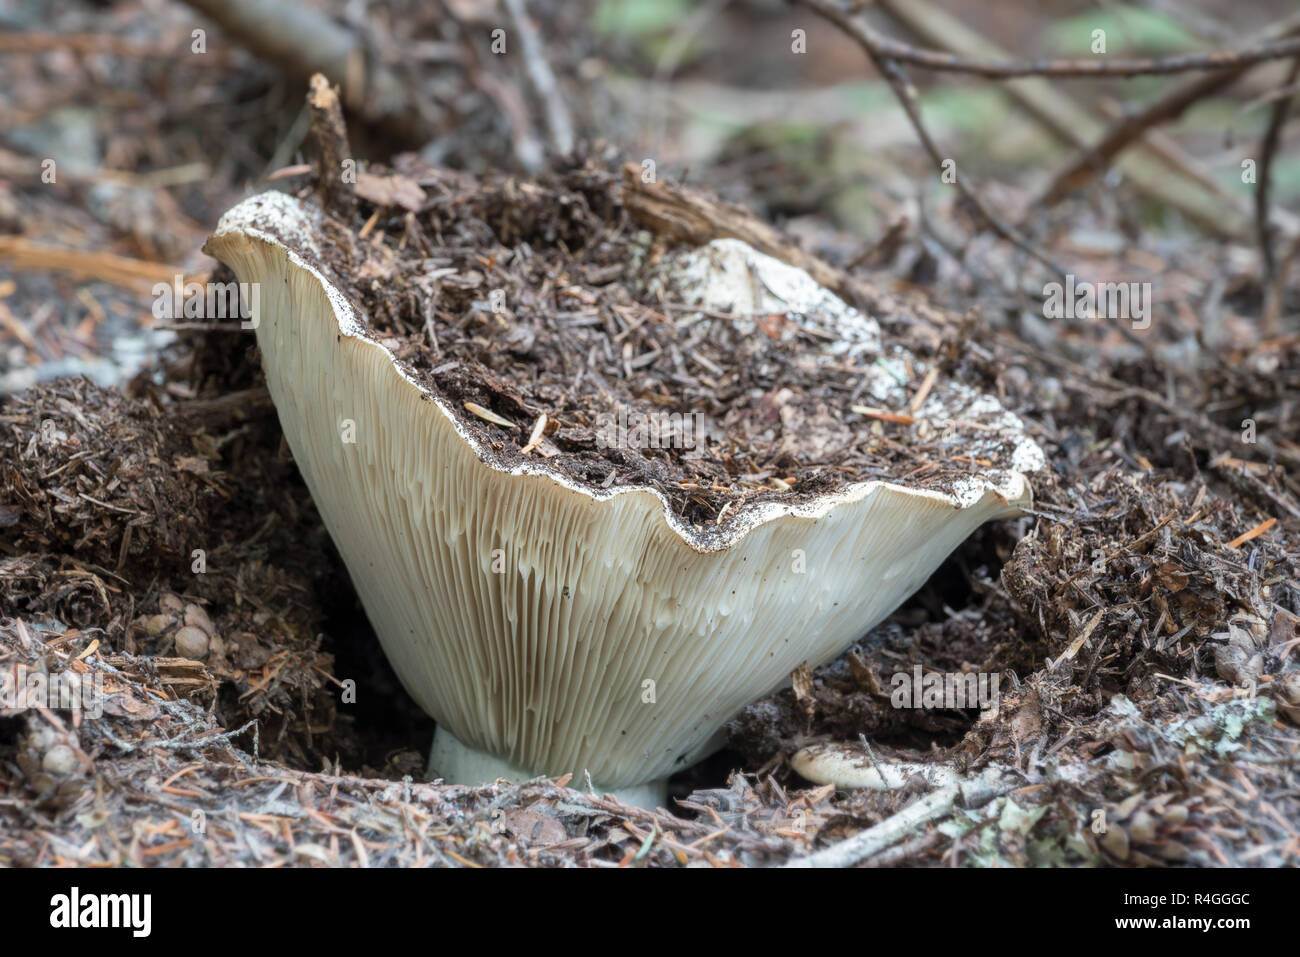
551 626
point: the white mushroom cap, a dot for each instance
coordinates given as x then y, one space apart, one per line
618 639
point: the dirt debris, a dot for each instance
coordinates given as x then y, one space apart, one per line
527 302
1142 620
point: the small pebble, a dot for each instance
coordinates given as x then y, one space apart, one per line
191 642
60 761
196 616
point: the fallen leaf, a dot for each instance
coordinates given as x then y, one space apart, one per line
392 190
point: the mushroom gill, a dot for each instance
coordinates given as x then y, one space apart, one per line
549 626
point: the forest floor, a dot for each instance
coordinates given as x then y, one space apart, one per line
1144 616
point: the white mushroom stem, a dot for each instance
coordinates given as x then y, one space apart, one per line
458 763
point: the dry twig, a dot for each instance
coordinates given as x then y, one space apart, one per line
1268 148
900 52
558 122
330 135
893 829
906 94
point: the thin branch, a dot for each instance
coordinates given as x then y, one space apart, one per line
1214 210
901 52
558 122
1133 126
528 148
935 805
906 95
1275 293
1268 148
685 33
1096 159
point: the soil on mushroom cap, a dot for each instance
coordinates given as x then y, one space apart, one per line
532 299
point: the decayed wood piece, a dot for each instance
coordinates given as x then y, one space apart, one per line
184 676
330 135
304 41
135 274
690 218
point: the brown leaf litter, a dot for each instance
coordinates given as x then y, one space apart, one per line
1143 618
